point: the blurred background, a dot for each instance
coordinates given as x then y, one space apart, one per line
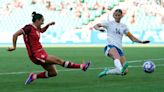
75 20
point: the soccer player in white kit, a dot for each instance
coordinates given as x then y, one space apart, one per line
115 31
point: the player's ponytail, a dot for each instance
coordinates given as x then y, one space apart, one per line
36 16
33 13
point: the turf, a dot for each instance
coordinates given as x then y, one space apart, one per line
15 67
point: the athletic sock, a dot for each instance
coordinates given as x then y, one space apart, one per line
68 64
42 75
117 64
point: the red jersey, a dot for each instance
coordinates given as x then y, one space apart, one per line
31 36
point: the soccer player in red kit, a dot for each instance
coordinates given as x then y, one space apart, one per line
37 54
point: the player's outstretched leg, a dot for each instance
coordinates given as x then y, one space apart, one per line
67 64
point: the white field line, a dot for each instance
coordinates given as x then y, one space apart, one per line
136 61
65 70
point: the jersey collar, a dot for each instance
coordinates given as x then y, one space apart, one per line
34 26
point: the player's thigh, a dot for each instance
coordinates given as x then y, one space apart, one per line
54 60
114 53
51 69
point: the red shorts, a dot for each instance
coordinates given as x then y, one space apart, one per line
39 57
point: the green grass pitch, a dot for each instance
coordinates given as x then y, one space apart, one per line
15 67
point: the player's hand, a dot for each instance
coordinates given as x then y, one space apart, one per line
144 42
51 23
101 29
11 49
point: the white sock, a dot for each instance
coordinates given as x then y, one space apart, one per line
114 71
117 64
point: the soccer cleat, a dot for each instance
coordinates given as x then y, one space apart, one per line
30 78
124 68
103 73
123 74
86 65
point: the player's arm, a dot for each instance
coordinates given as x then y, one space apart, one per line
134 39
99 27
46 27
15 36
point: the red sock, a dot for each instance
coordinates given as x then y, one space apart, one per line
42 75
68 64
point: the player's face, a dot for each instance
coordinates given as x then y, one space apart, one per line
41 21
117 16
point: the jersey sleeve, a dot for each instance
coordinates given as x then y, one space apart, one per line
126 30
105 22
44 28
26 29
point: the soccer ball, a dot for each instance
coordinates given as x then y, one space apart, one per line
148 66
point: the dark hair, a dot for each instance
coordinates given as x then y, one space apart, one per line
118 10
36 16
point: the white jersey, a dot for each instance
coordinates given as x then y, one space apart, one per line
115 32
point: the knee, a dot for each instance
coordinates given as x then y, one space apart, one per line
55 60
52 74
